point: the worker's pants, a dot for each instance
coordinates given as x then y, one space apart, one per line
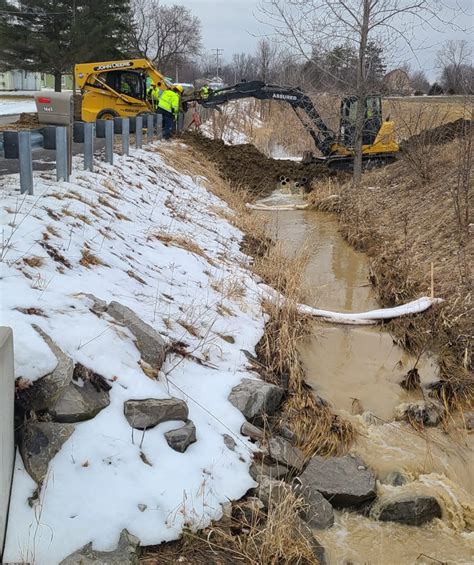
168 123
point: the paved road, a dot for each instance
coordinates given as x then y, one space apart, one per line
8 119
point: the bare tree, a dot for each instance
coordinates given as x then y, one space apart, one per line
244 66
419 81
305 23
454 60
167 35
265 57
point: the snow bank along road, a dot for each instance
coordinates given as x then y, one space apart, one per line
123 234
10 107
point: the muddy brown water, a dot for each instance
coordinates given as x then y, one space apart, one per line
357 369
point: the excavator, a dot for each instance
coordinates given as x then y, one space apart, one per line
379 145
111 89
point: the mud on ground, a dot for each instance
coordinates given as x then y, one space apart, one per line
26 121
244 165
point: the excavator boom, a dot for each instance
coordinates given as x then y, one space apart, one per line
379 145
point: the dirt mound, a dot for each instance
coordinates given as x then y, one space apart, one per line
245 166
438 135
26 121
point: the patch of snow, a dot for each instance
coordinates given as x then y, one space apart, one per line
233 124
98 479
16 106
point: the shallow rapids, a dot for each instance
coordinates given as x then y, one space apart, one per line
358 370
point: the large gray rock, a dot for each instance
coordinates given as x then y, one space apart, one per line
408 509
151 345
344 481
272 492
182 438
317 512
251 431
126 553
422 412
273 471
255 399
39 443
45 391
306 533
148 413
282 451
79 403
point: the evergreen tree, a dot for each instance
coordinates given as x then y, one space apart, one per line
50 36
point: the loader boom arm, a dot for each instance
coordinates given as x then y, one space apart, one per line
323 137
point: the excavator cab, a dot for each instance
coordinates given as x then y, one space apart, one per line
372 120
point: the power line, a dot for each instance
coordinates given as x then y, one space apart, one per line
218 52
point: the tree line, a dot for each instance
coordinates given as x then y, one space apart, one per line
50 36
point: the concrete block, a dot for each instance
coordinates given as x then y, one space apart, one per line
7 447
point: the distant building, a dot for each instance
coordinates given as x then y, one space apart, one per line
20 80
397 83
26 80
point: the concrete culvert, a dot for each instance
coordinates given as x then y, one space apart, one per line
281 178
304 180
283 183
288 179
297 184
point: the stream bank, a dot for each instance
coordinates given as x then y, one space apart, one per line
358 371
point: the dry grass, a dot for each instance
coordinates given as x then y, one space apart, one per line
184 243
33 262
410 227
318 429
251 536
89 260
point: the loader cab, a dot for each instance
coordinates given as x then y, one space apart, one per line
372 120
130 83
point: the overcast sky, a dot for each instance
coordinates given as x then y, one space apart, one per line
232 26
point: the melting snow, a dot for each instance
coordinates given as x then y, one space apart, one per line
16 106
98 480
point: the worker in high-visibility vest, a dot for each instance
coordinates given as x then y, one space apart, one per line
205 92
153 94
168 107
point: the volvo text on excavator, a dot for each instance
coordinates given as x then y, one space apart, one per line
379 144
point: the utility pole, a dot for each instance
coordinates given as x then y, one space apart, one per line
218 54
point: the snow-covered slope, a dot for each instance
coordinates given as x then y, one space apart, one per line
121 233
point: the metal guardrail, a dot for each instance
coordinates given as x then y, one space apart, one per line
21 144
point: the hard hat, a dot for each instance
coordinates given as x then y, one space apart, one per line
178 87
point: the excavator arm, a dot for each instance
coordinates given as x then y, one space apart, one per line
323 137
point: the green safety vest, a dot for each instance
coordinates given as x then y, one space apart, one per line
153 94
169 101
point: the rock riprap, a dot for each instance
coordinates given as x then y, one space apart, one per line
343 481
256 399
149 412
126 553
151 345
413 510
181 438
39 443
79 402
45 391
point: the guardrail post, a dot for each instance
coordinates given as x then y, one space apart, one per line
26 162
159 126
7 445
89 147
180 124
139 132
125 136
149 128
62 168
109 141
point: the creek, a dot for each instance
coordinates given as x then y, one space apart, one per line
357 369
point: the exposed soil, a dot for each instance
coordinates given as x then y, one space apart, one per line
26 121
244 165
438 135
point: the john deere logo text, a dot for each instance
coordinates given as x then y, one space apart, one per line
113 66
